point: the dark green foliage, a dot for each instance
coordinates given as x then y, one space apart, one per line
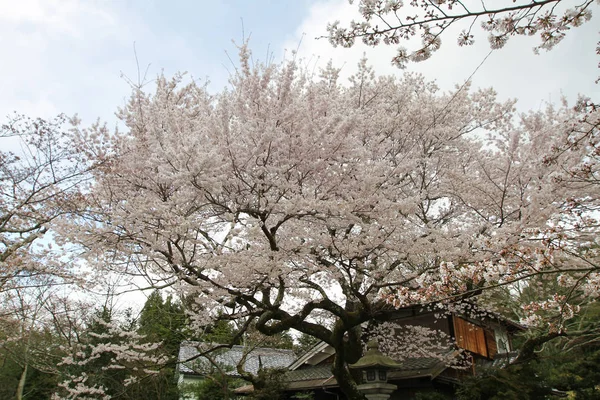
432 395
269 385
38 385
576 371
35 355
215 387
518 382
163 320
279 341
161 386
9 377
572 363
307 395
221 332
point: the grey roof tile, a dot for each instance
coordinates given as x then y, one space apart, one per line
305 374
229 358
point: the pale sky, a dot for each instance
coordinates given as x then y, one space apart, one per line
68 55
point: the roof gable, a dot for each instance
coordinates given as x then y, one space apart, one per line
313 356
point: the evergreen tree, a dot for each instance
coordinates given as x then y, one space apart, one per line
28 357
215 386
162 320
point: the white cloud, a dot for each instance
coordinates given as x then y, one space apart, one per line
66 56
56 16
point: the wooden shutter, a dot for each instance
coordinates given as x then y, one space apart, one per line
460 332
490 340
470 336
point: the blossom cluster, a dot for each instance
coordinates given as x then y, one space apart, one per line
395 22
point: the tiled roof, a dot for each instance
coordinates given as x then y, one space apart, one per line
321 375
300 379
306 374
229 358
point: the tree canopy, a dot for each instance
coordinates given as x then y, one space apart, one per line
288 197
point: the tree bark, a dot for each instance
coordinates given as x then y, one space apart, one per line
21 385
347 351
527 351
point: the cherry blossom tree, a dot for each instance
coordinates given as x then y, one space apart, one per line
110 361
395 22
290 196
41 179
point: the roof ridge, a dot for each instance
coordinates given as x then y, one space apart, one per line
195 343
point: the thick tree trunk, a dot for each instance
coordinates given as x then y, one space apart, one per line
21 385
347 350
345 380
347 384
